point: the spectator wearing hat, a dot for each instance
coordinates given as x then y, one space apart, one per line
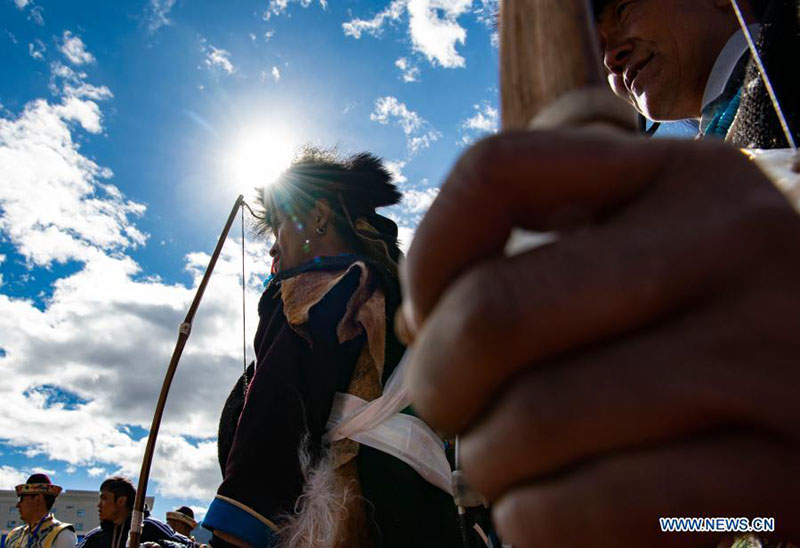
182 520
41 529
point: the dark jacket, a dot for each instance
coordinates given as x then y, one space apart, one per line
290 395
756 124
153 531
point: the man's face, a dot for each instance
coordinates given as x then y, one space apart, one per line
180 527
109 508
30 507
658 54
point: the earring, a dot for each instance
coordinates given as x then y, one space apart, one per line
321 230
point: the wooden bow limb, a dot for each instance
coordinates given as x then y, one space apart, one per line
551 70
551 76
137 518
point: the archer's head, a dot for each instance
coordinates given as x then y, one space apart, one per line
658 54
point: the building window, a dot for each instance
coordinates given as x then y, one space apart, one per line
11 524
81 512
79 527
70 507
13 510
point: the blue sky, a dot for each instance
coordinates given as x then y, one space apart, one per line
118 125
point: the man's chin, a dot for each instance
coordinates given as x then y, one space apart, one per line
657 109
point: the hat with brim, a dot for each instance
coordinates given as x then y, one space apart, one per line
183 518
38 484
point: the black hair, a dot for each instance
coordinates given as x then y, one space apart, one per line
49 501
120 487
354 187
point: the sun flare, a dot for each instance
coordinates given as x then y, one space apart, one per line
258 158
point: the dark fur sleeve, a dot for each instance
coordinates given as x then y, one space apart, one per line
756 124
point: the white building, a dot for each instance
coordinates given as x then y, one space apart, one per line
76 507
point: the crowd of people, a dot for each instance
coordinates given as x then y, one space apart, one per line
42 529
643 364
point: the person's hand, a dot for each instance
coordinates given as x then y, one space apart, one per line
646 364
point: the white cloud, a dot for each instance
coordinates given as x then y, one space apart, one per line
96 471
106 326
396 169
74 50
56 207
420 142
67 82
278 7
410 72
268 35
373 27
432 25
22 3
388 108
110 330
485 120
419 134
35 14
157 14
486 12
11 477
276 74
11 36
404 236
349 107
418 201
220 59
435 30
36 49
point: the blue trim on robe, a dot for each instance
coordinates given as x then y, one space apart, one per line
231 519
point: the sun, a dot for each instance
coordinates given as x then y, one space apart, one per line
257 158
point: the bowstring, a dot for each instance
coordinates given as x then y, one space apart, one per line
764 76
244 324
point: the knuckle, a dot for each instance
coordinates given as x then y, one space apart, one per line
525 421
487 309
528 517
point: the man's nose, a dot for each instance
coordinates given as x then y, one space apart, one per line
616 55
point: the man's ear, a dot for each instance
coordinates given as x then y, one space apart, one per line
321 215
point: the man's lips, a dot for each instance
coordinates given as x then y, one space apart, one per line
632 71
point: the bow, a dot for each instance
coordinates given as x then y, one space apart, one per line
137 517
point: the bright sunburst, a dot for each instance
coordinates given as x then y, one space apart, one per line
258 158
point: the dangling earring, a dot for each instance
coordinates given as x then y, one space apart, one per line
321 230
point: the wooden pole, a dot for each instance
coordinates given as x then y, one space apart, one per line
137 518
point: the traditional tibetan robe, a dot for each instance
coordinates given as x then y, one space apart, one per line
325 327
42 535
